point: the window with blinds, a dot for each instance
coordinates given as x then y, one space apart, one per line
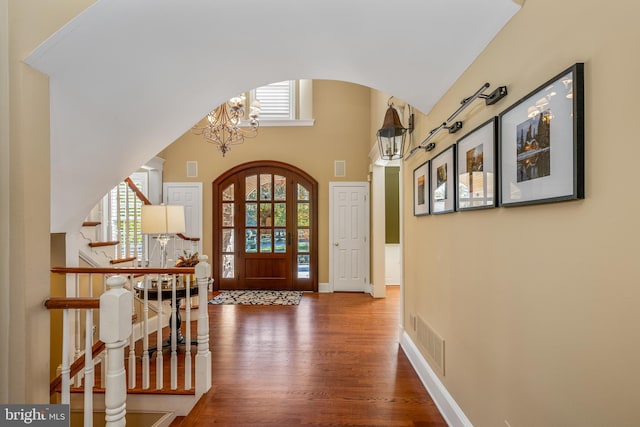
124 209
277 100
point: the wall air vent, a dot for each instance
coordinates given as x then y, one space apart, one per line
432 343
192 169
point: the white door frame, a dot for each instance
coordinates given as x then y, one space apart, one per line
198 221
332 187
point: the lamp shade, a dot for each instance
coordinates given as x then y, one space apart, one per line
391 136
162 219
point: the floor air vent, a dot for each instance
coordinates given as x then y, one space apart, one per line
432 343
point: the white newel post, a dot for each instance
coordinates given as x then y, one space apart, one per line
203 357
115 328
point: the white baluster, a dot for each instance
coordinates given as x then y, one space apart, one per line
103 356
159 358
174 334
132 343
115 329
88 368
145 335
78 340
187 333
203 358
66 366
89 375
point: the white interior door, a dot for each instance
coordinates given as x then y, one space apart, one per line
349 225
189 195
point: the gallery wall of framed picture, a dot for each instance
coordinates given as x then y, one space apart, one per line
443 190
542 143
421 190
531 153
476 167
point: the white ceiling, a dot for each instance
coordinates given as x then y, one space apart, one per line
129 77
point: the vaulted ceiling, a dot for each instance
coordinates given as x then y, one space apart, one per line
129 77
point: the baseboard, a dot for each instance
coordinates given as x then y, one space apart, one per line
448 407
175 404
325 288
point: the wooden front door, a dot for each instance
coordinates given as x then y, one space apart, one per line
265 228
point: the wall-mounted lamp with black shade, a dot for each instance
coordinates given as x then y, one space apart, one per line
392 134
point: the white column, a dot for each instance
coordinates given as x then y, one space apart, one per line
203 357
115 329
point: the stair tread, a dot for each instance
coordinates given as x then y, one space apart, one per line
121 260
108 243
91 223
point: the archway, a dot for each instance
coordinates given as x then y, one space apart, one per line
265 228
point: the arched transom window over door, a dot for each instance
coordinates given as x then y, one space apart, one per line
265 228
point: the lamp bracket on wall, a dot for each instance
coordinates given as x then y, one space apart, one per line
453 127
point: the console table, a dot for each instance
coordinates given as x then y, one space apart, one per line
167 293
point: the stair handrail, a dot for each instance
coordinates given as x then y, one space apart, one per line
76 366
124 270
137 191
115 305
146 201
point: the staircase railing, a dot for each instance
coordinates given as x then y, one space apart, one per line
116 307
113 228
141 199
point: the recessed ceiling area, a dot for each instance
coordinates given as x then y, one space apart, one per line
120 66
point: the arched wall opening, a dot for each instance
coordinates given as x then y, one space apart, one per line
130 78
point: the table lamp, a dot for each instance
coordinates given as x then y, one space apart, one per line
163 220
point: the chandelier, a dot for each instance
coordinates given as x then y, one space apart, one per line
224 130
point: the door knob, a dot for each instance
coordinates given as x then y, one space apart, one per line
336 244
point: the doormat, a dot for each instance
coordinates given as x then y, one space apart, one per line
258 297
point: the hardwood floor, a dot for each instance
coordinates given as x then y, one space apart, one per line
332 360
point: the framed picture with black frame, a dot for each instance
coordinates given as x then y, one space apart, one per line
421 190
476 159
541 154
443 190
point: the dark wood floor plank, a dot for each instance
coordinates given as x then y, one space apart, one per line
332 360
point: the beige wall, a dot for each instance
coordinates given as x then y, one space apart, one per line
4 201
26 379
538 305
341 130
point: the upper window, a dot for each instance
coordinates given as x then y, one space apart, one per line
277 100
287 103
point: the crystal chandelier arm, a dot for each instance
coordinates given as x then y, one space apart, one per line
223 128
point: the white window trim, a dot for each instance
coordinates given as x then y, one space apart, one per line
293 122
299 88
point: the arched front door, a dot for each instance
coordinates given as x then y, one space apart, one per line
265 228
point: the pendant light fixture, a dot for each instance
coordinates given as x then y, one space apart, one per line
392 134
